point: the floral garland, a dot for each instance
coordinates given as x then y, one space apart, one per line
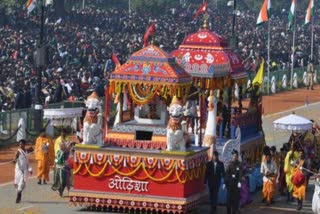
192 174
141 99
99 158
133 161
143 89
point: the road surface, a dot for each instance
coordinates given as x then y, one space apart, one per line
41 199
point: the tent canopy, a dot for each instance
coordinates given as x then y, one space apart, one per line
293 122
62 116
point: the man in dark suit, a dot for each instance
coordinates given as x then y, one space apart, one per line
214 174
233 183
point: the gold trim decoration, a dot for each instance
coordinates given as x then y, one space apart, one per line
161 89
173 167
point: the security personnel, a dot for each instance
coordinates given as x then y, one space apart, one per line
233 183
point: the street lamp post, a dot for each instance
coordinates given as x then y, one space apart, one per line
233 42
40 57
234 17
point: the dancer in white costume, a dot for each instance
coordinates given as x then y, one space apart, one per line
284 81
305 78
22 169
295 80
273 84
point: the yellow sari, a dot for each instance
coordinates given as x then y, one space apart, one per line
288 168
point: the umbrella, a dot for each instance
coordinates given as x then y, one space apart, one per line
293 122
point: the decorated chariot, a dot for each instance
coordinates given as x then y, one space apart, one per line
153 157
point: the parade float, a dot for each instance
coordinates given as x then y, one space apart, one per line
219 75
147 162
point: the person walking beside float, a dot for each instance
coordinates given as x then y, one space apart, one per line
22 169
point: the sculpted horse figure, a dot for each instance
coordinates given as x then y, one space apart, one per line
92 124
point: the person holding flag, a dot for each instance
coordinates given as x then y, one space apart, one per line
202 9
255 95
115 60
151 31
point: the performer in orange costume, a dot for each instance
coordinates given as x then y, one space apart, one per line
269 171
44 155
299 180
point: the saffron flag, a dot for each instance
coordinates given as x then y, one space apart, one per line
292 14
310 12
151 30
31 4
115 60
202 9
258 79
265 12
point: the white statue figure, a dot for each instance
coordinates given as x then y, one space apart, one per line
284 81
22 130
305 78
210 132
295 80
273 84
92 125
316 197
236 90
175 133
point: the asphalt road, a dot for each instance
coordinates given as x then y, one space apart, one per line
40 199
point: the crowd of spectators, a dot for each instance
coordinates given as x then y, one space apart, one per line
82 42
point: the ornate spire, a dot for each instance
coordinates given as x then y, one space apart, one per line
205 25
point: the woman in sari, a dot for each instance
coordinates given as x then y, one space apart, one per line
300 180
291 158
61 172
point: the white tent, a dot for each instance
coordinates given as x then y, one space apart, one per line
293 122
62 116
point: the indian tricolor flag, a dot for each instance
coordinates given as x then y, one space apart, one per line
310 12
265 12
31 4
292 14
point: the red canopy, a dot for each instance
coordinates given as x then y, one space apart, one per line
151 64
206 54
152 69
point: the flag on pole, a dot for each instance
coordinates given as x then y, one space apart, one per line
115 60
310 12
292 14
202 9
31 4
265 12
258 79
151 30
